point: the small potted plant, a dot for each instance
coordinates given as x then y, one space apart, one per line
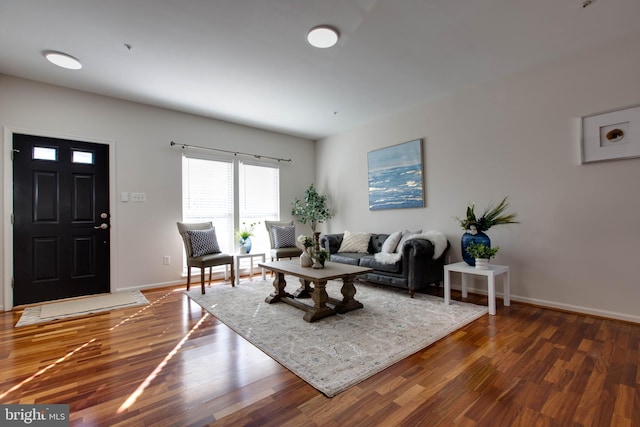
319 256
323 255
482 253
244 236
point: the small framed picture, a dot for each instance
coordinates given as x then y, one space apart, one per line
610 136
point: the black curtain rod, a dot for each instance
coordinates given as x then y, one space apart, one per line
235 153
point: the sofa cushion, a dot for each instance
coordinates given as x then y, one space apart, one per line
355 242
391 242
370 261
376 241
347 258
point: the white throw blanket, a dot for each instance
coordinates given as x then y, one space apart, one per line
437 239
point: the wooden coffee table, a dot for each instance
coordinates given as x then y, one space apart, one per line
319 278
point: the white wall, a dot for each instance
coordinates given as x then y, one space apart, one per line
144 162
577 244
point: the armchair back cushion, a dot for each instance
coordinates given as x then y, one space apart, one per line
271 224
284 237
203 242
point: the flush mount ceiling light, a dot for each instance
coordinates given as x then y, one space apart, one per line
63 60
323 36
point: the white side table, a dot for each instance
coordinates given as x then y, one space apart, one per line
491 273
251 256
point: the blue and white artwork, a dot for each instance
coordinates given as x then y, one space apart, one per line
396 177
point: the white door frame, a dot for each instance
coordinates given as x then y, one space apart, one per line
7 188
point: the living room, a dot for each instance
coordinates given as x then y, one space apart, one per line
574 248
518 136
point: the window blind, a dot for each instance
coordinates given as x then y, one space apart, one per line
259 199
207 195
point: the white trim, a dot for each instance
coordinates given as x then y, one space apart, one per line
7 189
158 285
560 306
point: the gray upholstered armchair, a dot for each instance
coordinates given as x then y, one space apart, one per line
201 246
282 235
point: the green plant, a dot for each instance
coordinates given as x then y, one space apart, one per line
480 250
492 215
247 231
312 210
323 255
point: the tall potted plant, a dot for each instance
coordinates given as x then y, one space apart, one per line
474 226
313 210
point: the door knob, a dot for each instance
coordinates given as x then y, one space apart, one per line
102 226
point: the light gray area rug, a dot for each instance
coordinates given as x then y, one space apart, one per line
337 352
80 307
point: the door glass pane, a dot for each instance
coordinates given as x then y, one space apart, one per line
45 153
82 157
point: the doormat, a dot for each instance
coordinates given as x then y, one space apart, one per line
337 352
80 307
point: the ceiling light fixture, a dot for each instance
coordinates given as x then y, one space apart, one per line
63 60
323 36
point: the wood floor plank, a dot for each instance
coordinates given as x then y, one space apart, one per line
172 364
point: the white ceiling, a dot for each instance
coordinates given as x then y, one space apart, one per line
247 61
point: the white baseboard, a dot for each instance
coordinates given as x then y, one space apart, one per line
560 306
154 285
195 280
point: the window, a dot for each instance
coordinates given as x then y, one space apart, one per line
209 194
259 200
45 153
85 157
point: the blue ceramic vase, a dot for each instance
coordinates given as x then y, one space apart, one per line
247 244
467 238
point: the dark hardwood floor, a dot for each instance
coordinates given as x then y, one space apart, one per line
172 364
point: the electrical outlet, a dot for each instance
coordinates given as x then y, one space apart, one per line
166 260
138 197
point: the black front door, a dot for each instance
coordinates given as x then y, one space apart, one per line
61 218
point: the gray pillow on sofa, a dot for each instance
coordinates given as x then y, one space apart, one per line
391 243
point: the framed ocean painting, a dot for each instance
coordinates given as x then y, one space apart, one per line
396 177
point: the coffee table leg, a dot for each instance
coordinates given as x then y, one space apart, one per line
279 284
304 291
320 298
348 292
